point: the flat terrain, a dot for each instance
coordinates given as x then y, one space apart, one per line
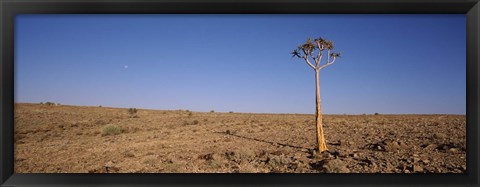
74 139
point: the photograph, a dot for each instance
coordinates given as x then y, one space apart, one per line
240 93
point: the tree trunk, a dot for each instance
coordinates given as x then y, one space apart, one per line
322 146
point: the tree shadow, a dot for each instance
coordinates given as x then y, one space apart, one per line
309 150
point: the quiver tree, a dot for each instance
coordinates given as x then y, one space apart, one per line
313 51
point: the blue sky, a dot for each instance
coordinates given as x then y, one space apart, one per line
395 64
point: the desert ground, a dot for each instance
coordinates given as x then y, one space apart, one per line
78 139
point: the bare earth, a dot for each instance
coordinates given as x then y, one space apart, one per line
71 139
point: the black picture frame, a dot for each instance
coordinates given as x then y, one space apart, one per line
10 8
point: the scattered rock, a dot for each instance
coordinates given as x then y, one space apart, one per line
105 169
335 166
128 154
230 155
417 169
100 122
19 142
379 147
391 146
453 150
439 136
109 164
401 166
431 147
339 154
277 153
403 145
275 160
207 157
344 143
415 159
447 147
367 161
297 156
389 167
149 153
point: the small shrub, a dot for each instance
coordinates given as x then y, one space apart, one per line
132 111
194 122
190 114
100 106
150 160
128 154
376 114
111 130
50 103
171 167
335 166
100 122
214 163
41 103
212 111
230 112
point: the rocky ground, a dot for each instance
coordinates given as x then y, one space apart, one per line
74 139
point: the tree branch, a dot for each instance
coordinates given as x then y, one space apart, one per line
328 56
305 56
319 56
328 59
328 63
308 61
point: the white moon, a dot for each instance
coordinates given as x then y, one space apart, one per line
125 66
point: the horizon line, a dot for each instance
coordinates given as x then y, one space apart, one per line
359 114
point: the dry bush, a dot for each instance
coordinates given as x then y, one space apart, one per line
150 160
100 122
194 122
49 103
111 130
132 111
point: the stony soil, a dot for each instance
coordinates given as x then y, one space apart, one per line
71 139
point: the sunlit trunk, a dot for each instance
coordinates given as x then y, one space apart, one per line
322 146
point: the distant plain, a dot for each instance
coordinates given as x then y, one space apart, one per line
95 139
